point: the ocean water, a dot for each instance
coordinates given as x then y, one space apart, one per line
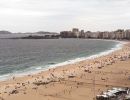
19 57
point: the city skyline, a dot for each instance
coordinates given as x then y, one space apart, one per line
59 15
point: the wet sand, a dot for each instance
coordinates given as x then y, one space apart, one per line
80 81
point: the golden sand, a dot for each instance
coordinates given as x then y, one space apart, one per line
80 81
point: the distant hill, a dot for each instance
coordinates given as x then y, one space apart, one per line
5 32
39 32
42 32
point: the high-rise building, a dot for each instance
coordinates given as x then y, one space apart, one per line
127 32
75 32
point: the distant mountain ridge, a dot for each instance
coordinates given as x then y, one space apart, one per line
5 32
42 32
39 32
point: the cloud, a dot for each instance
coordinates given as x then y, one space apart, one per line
58 15
20 12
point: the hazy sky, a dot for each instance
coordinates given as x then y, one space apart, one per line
58 15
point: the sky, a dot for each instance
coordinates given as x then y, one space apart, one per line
59 15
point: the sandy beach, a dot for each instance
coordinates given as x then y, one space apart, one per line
80 81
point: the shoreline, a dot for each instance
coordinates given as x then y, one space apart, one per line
118 46
58 74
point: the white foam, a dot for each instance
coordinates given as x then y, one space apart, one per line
35 70
4 77
117 47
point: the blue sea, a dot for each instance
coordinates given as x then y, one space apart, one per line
24 56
